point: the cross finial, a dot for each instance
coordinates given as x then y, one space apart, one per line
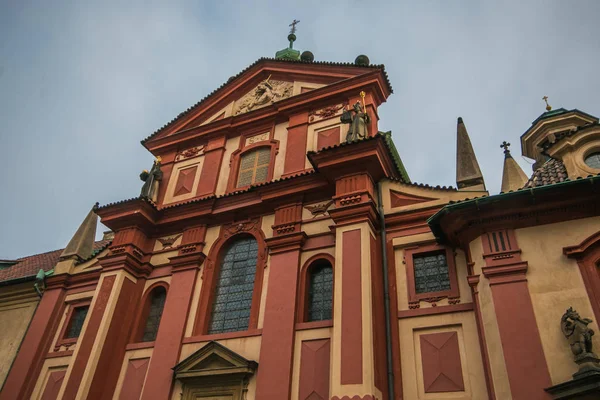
293 25
505 145
548 106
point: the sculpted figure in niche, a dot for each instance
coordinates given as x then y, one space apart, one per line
264 94
151 181
359 122
579 335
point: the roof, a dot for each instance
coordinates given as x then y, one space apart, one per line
553 113
28 267
261 60
552 171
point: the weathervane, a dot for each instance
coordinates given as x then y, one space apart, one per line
548 106
293 25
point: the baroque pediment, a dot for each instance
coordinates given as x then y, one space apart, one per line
213 360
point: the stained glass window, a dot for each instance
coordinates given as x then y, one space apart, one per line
593 160
320 291
233 292
76 323
155 310
254 167
431 272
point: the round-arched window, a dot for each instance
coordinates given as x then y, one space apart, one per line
320 291
593 160
155 309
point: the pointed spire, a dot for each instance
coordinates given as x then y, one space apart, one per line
513 177
468 174
81 245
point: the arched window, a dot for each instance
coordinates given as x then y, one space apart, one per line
233 292
156 303
254 167
320 291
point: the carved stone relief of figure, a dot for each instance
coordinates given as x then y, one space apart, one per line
267 92
151 181
359 122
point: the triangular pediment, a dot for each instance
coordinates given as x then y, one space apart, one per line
213 359
263 83
399 199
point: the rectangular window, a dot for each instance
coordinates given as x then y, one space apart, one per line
431 272
254 167
76 322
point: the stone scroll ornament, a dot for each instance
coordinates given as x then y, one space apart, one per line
359 121
151 181
579 335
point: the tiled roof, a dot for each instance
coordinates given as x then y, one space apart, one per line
263 59
30 265
553 171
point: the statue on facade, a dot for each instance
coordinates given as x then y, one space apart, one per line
265 93
359 121
151 181
579 335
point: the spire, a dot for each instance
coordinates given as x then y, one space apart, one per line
82 243
290 53
468 174
513 177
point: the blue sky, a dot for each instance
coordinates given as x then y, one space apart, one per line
81 83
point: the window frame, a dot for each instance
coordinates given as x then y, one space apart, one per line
415 298
71 306
302 311
244 147
144 310
211 270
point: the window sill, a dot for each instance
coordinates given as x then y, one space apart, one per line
221 336
140 345
300 326
57 354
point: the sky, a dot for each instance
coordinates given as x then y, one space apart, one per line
82 82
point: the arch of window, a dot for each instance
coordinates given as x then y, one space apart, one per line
234 288
316 302
153 304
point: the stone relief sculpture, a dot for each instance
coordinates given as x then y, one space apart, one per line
267 92
579 335
151 181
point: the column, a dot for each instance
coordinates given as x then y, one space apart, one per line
167 346
523 353
98 356
276 356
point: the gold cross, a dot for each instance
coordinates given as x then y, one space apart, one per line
548 106
293 25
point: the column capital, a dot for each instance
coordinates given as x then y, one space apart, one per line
129 257
285 243
183 262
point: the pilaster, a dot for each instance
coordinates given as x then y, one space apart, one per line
276 359
213 158
521 343
167 346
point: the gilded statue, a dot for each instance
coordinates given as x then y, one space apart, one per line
151 180
359 122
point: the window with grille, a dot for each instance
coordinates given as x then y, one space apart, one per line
76 322
254 167
431 272
320 291
155 309
234 288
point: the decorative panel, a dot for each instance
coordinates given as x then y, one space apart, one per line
314 370
328 137
134 379
431 272
53 385
442 369
398 199
185 181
